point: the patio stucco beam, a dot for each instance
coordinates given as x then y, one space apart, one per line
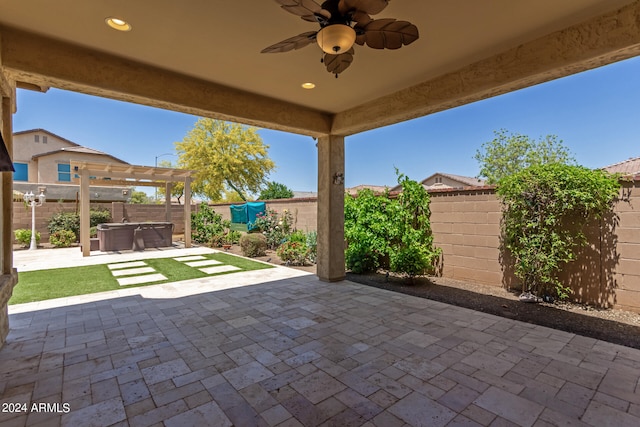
599 41
43 62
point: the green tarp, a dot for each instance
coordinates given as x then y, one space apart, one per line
239 214
247 213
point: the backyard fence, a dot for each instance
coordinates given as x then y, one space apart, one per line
466 225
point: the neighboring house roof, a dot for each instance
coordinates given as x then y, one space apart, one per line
374 188
468 180
630 166
304 194
40 130
79 149
465 181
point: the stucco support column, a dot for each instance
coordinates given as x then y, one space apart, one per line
331 208
187 212
8 274
7 190
84 213
167 201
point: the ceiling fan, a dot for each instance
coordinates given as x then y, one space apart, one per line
343 23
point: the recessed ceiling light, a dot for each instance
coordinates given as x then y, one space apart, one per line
118 24
308 85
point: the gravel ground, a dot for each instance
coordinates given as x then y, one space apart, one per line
615 326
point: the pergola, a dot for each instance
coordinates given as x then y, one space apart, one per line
205 59
103 174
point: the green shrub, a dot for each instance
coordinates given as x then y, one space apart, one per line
545 211
298 236
62 238
232 237
293 252
99 216
312 245
368 229
63 221
253 245
390 233
205 224
276 228
216 241
413 253
23 236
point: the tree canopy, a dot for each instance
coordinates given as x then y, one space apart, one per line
139 197
177 188
509 153
546 211
226 157
275 190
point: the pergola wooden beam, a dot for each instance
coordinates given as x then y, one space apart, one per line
131 175
123 183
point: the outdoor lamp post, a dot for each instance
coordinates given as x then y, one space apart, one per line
30 199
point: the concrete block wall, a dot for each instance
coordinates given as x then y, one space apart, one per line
145 213
466 226
119 210
627 232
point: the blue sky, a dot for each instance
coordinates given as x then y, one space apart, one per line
595 113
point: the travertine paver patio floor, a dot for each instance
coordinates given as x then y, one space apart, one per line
295 351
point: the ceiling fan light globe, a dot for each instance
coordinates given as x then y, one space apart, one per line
336 38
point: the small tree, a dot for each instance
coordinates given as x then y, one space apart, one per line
226 157
510 153
545 211
390 233
177 188
206 223
368 229
275 190
139 197
413 252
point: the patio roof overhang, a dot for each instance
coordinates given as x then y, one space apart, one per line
205 60
171 59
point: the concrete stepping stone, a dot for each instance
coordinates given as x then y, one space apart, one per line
132 271
204 263
136 280
126 265
219 269
189 258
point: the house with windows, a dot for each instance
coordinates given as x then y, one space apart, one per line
42 162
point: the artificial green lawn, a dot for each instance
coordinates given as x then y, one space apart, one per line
64 282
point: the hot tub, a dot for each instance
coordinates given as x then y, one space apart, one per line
119 236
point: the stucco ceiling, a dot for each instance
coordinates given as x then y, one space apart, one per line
220 41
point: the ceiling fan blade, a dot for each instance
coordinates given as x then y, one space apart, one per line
361 19
295 42
306 9
371 7
338 63
389 34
